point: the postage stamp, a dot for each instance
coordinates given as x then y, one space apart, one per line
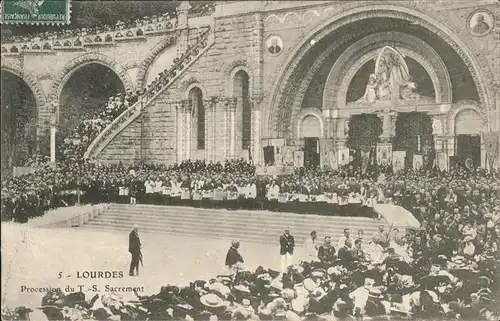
35 11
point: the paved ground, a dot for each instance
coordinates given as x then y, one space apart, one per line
34 258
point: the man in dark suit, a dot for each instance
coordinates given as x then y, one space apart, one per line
234 260
326 252
134 247
287 244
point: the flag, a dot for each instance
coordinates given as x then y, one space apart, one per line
490 140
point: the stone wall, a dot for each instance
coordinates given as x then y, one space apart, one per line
235 47
240 43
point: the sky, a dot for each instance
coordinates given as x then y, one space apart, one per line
92 13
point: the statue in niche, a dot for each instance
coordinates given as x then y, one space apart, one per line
393 126
346 127
391 80
437 128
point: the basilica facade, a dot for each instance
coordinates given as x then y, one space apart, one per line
321 82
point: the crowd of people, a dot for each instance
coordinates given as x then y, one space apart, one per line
81 32
233 184
448 269
75 144
422 274
196 10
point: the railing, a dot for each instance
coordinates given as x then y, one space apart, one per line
83 39
136 109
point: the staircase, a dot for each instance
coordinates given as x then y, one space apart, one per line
242 225
204 42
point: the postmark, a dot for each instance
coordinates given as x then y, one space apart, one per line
36 12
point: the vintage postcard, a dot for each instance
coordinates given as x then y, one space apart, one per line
250 160
36 12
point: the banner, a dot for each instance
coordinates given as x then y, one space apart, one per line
326 149
298 158
490 140
274 170
288 156
365 160
278 155
343 156
332 159
442 161
417 161
398 160
384 153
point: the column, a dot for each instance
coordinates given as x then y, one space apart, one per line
54 115
327 123
342 125
53 123
388 125
255 145
232 125
182 27
221 131
188 129
209 104
180 130
215 113
238 127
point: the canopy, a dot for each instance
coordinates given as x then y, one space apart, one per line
397 216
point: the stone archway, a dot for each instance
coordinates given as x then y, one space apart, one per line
31 80
65 74
231 69
463 106
358 54
299 122
150 58
278 113
20 116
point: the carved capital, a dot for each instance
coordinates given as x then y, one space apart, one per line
185 106
256 101
232 102
209 103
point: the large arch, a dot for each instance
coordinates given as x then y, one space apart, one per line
30 79
469 57
85 94
65 74
366 49
20 117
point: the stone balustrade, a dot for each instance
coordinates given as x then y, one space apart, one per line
179 66
79 42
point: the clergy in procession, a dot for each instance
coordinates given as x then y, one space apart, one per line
311 247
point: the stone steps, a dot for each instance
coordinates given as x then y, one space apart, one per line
243 225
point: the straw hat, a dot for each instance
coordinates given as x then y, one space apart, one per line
211 300
309 284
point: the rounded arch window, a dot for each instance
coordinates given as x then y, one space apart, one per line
241 92
195 99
